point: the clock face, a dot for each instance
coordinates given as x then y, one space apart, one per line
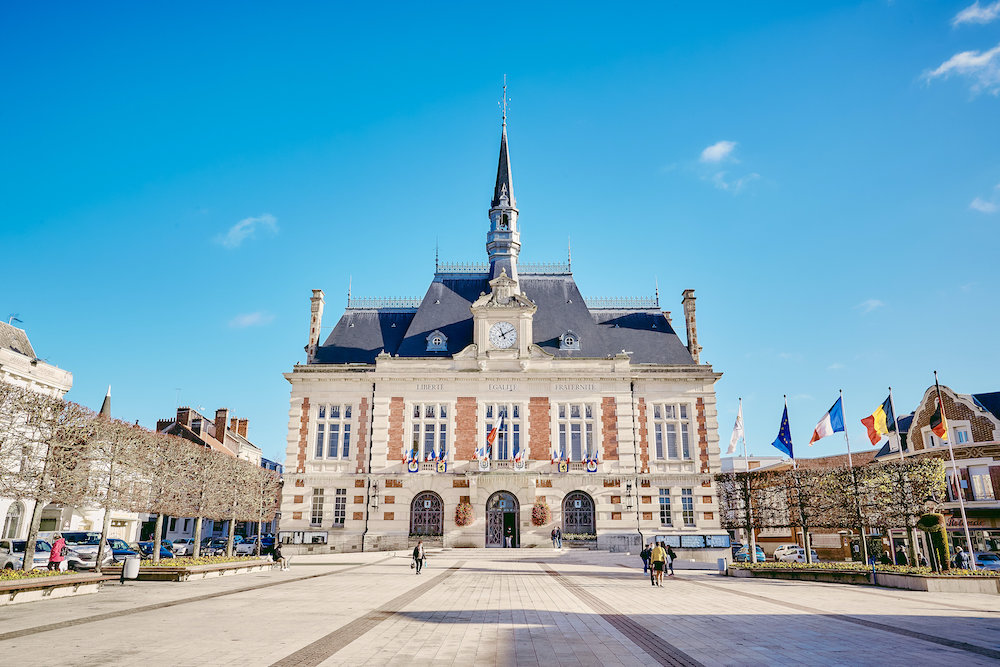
503 335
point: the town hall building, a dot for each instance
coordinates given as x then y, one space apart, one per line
500 405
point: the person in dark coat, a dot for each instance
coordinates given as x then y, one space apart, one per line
901 557
419 555
644 555
671 557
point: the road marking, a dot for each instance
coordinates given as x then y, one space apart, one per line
658 648
913 634
324 647
173 603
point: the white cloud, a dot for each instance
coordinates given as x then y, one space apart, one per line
719 151
868 305
981 68
976 14
983 206
247 228
258 319
835 366
735 185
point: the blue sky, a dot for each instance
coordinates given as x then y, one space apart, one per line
826 176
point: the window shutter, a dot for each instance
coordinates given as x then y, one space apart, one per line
995 478
968 483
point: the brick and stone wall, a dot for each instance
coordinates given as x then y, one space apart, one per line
609 425
643 437
465 428
702 436
539 428
395 452
982 427
362 444
300 458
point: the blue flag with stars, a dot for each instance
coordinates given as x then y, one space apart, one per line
784 439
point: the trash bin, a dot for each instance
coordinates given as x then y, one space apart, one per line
722 565
130 568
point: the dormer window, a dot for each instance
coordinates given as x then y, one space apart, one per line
569 341
437 342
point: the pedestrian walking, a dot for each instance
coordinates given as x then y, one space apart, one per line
644 555
508 538
559 536
671 556
961 558
58 554
659 557
555 539
901 557
419 555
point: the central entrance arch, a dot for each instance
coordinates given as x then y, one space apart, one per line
426 515
578 514
502 512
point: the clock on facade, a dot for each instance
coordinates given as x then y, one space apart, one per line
503 335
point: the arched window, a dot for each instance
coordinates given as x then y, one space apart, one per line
12 522
437 342
569 341
426 515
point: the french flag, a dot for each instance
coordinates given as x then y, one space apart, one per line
496 429
832 422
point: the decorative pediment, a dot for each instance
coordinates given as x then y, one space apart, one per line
504 293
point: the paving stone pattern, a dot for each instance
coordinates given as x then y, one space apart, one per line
505 607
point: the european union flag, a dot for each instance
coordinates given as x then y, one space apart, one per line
784 440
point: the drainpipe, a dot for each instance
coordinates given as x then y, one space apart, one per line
635 460
368 476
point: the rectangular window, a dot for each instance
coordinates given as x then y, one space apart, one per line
173 524
982 486
333 422
507 442
671 432
316 516
687 506
666 518
961 435
430 431
576 431
340 507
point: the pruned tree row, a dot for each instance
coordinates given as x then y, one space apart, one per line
894 494
56 451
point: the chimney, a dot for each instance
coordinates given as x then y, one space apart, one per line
184 416
221 417
242 427
315 322
692 328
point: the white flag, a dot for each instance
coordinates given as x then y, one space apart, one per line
737 431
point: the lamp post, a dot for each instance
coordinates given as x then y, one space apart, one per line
375 496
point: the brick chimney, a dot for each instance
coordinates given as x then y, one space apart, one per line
315 323
241 427
692 327
221 417
184 416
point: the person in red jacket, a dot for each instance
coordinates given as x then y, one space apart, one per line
56 557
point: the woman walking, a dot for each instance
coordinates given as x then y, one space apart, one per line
56 557
659 556
418 555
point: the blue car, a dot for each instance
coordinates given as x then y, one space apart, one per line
146 550
743 555
120 549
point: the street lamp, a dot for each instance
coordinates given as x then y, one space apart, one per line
375 496
628 497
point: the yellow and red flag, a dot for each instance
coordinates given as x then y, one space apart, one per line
881 422
939 422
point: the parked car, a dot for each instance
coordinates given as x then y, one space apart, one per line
120 549
82 550
12 554
986 560
735 546
145 550
215 546
183 546
785 549
798 556
248 547
743 555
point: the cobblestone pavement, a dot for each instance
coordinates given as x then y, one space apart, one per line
525 607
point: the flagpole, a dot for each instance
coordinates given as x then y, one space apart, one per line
795 464
958 480
910 535
854 480
895 419
746 461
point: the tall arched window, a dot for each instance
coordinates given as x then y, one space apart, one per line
426 514
578 514
12 522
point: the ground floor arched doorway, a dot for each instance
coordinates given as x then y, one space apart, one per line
578 514
502 512
426 515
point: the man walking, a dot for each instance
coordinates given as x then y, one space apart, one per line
659 556
555 539
418 555
559 537
644 555
670 559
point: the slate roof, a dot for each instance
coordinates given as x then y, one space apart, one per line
989 402
503 174
362 333
12 338
904 428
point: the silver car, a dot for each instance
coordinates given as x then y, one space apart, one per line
183 546
82 547
12 554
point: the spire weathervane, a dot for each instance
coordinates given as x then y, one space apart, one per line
503 101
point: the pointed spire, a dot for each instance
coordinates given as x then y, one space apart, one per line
106 405
505 183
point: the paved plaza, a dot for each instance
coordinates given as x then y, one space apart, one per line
525 607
